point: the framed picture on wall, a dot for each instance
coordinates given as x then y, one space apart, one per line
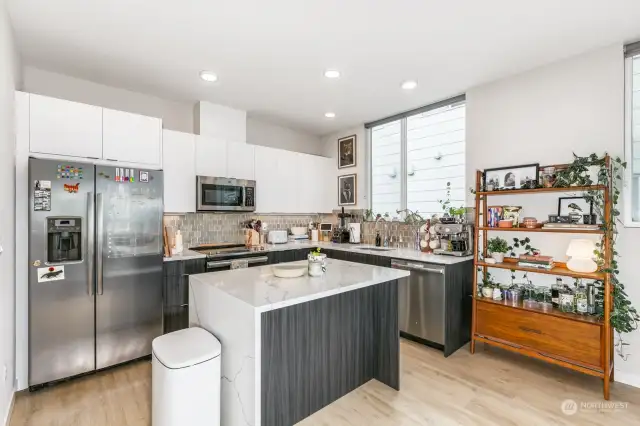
347 185
513 177
347 152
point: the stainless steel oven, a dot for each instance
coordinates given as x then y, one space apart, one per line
225 194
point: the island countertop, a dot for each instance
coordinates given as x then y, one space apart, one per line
261 290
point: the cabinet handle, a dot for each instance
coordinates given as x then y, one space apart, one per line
530 330
110 159
184 305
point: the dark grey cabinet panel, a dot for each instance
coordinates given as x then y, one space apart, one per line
458 305
176 291
175 318
315 352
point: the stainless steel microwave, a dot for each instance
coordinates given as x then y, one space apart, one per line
225 194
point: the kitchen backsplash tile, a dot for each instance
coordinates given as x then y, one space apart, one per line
204 228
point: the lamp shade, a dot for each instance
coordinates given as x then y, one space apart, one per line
581 256
581 248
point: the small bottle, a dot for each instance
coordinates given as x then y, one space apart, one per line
591 299
581 300
386 241
555 292
378 240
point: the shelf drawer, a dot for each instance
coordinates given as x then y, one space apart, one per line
552 336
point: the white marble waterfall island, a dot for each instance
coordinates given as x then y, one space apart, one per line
292 346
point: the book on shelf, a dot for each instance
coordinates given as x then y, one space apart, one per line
536 259
574 226
547 266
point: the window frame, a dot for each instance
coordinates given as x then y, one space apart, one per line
402 117
627 190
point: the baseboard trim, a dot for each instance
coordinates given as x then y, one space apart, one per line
631 379
7 419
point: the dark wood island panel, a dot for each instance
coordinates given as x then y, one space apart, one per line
316 352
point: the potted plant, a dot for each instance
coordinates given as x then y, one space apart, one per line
487 286
497 247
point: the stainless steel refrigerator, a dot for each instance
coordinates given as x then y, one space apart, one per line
95 267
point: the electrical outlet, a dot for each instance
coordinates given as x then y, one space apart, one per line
4 372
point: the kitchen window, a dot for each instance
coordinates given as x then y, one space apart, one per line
632 136
418 158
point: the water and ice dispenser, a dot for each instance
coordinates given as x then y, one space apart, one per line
64 239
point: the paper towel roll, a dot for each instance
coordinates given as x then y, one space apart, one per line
314 235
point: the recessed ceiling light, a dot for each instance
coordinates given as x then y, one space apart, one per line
208 76
409 85
330 114
332 73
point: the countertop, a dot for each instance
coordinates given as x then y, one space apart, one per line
185 255
261 290
395 253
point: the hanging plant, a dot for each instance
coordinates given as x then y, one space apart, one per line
624 317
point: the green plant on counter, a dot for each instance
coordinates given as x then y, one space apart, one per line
315 252
448 208
497 245
368 215
624 317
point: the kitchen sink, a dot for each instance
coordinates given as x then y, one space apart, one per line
374 248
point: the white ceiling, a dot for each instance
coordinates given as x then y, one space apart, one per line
270 55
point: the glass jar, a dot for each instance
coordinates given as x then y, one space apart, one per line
529 297
567 300
581 301
543 296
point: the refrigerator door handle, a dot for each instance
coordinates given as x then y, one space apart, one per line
90 243
99 234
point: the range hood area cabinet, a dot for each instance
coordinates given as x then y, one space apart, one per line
219 158
63 128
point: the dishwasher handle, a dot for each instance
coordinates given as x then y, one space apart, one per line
416 267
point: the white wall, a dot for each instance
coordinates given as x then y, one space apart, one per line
330 149
267 134
543 116
9 78
175 115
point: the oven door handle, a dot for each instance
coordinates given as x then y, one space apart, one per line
260 259
218 264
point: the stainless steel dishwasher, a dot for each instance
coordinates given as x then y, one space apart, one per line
421 300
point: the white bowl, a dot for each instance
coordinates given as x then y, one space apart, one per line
289 271
298 230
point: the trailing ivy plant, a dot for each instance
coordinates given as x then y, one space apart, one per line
528 249
624 317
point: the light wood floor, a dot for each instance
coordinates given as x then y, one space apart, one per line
493 387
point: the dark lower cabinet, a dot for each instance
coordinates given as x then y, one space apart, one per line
366 258
176 279
176 292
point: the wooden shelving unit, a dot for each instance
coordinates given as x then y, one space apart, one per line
578 342
552 230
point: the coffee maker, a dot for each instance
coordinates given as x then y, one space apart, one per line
456 239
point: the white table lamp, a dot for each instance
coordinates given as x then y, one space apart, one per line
581 256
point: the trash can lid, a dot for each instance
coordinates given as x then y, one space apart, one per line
184 348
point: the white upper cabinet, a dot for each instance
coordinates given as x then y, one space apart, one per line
64 128
291 182
131 138
241 161
179 165
211 157
270 177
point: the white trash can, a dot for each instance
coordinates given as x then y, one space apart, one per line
186 379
